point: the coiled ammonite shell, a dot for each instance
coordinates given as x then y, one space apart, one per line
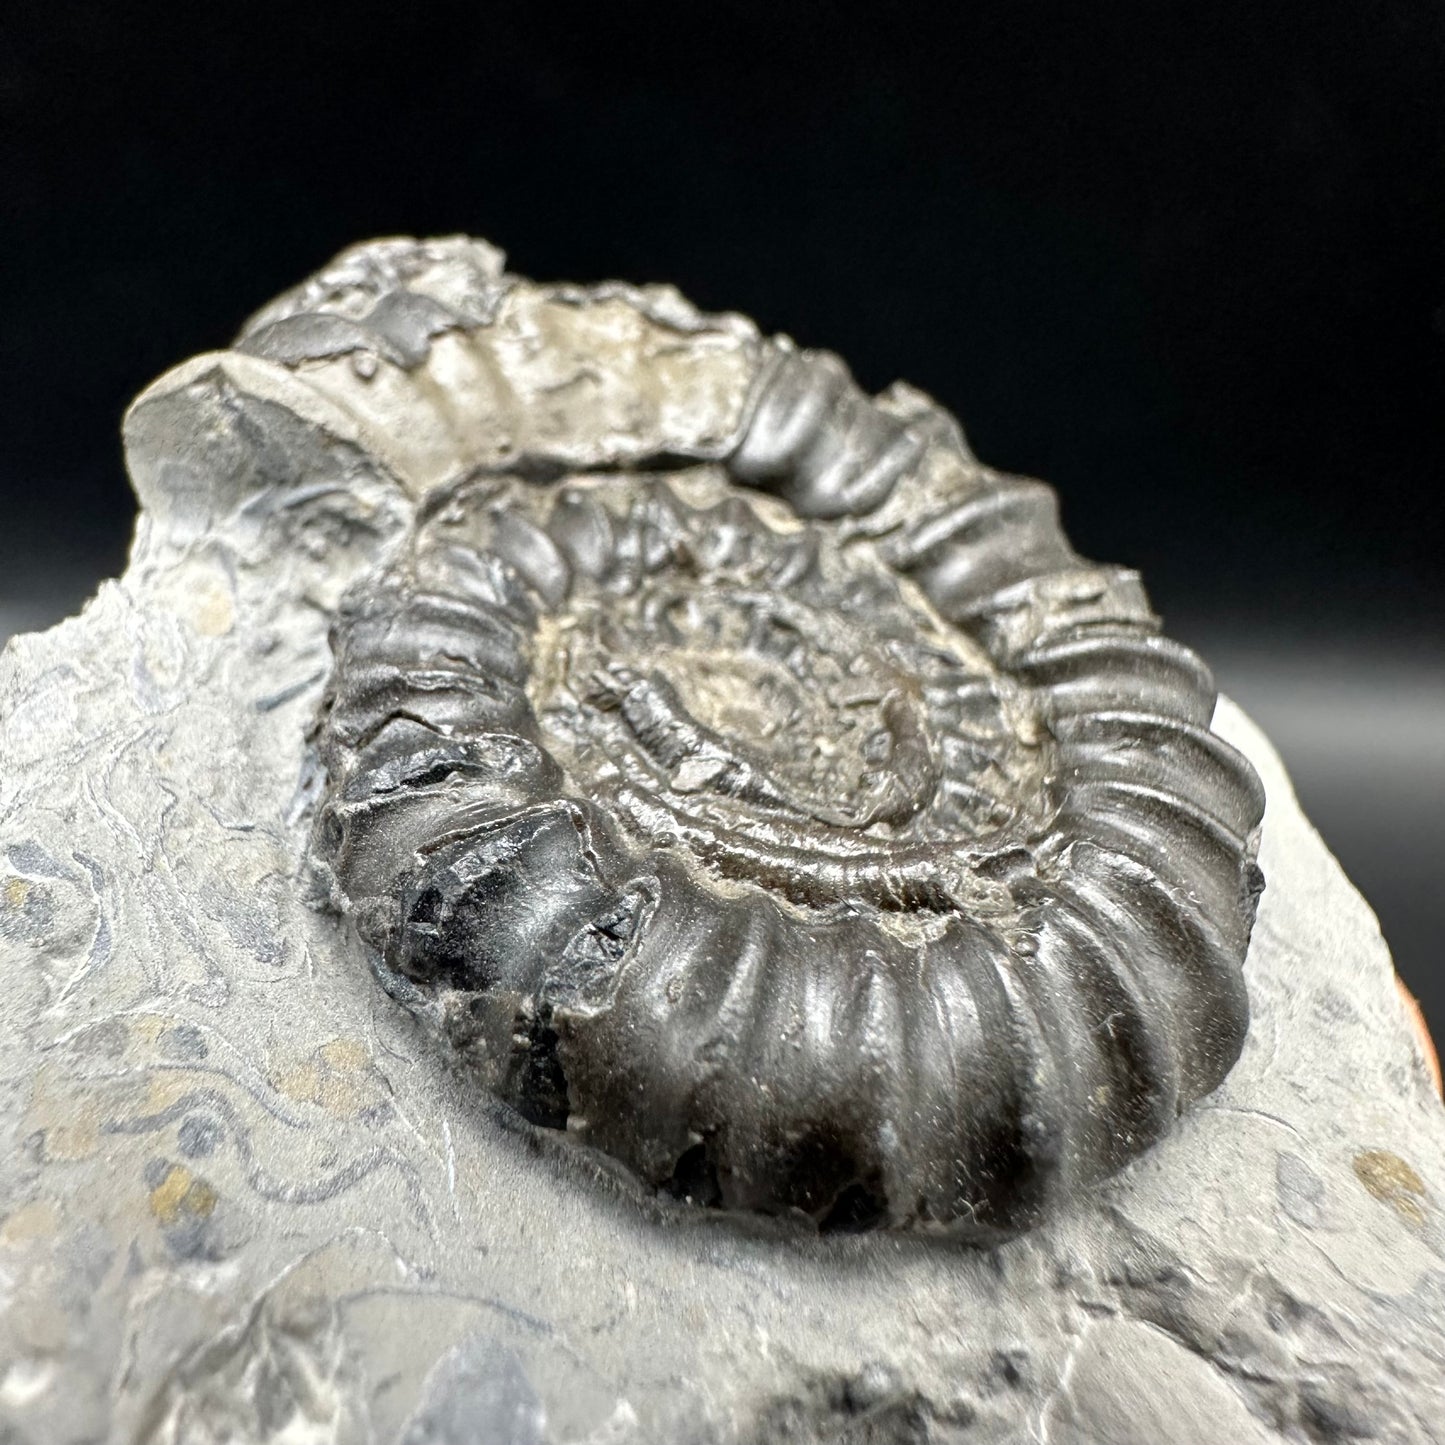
789 812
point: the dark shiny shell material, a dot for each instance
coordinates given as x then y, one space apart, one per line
808 832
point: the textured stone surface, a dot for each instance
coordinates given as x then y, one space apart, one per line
246 1199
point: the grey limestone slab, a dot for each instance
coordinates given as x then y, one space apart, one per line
246 1197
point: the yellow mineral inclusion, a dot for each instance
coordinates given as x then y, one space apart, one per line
347 1055
335 1078
180 1192
1392 1181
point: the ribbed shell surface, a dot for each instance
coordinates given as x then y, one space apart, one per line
797 818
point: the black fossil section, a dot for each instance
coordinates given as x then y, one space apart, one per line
806 835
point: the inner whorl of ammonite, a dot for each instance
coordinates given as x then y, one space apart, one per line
793 717
791 815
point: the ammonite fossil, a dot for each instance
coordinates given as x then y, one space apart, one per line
785 810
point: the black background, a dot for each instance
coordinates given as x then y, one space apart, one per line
1186 262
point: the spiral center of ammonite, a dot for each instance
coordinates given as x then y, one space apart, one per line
741 695
771 704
